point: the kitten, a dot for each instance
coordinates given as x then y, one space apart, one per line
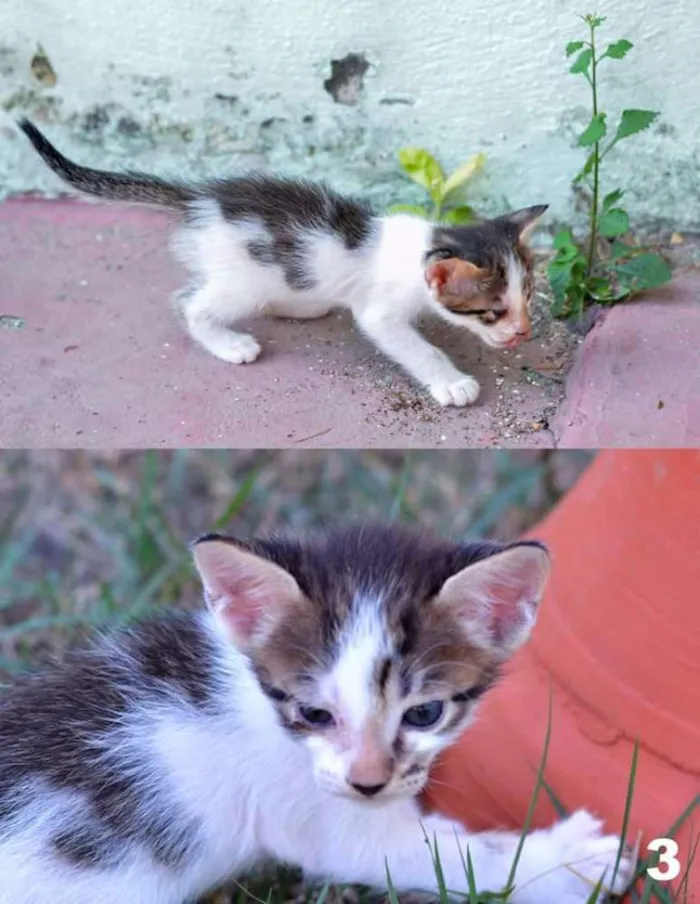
295 720
263 245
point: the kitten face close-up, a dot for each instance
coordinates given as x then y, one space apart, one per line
379 646
482 276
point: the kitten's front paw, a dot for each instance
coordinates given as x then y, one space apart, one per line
461 392
238 348
578 856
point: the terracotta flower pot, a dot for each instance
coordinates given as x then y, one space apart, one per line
618 643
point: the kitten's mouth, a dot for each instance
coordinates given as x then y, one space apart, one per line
508 344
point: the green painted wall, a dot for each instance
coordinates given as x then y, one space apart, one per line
196 88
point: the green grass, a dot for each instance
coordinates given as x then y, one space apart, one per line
93 540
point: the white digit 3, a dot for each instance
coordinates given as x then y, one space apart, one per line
668 849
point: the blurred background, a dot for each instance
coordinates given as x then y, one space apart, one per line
88 539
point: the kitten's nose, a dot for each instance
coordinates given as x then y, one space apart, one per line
368 790
524 328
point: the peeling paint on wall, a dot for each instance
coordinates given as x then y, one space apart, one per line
334 90
347 78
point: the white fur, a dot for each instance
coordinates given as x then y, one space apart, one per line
382 283
257 797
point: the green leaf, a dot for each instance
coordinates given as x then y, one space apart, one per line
563 238
618 49
634 121
458 216
594 131
573 46
423 168
463 174
647 271
566 254
564 274
612 198
594 21
599 289
415 209
613 223
587 169
582 62
619 250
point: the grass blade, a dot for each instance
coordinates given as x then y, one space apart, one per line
398 503
535 795
471 880
628 807
239 500
561 810
390 890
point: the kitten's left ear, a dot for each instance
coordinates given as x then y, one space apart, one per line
453 276
525 220
246 593
496 599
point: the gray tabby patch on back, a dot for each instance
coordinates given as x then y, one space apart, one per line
287 209
62 730
263 245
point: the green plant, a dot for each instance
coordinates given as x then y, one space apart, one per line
591 273
445 193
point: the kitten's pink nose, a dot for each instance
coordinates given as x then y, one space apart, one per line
372 768
524 330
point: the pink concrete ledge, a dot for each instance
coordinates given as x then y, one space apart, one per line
101 359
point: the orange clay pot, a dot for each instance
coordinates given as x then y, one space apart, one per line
618 643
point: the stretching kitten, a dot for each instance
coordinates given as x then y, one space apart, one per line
295 720
258 244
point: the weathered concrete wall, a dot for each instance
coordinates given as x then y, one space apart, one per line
197 87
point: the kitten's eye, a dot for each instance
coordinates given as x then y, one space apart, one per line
425 715
487 315
317 717
472 694
274 693
442 254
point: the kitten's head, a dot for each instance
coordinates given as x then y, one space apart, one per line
374 645
482 275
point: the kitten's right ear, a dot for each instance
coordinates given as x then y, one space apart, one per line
246 593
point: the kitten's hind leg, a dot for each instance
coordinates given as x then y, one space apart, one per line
208 312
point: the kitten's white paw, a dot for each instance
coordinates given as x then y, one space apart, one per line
581 855
461 392
236 348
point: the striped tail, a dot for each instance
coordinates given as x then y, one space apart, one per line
131 187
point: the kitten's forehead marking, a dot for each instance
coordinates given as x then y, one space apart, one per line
358 667
515 288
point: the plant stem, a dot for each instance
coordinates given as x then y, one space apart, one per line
596 164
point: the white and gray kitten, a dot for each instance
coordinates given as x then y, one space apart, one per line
289 248
295 721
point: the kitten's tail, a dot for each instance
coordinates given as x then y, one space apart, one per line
133 187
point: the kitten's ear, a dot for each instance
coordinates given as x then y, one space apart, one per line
496 599
453 276
246 593
525 220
